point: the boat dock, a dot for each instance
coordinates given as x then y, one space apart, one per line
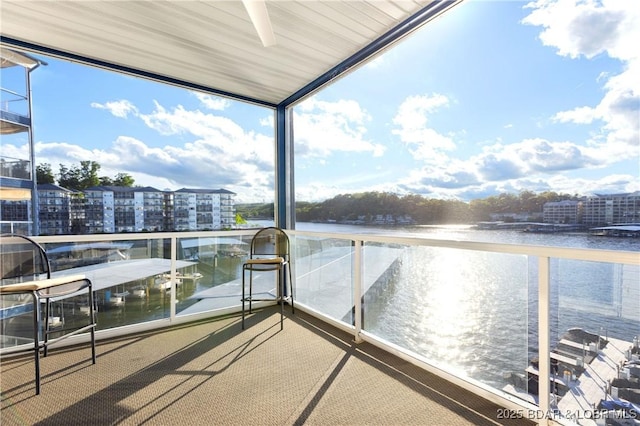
323 280
593 385
590 369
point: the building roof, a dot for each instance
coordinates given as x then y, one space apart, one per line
213 45
622 195
107 275
205 191
51 187
112 188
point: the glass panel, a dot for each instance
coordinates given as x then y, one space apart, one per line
16 320
129 277
595 323
13 90
323 268
466 312
17 168
213 277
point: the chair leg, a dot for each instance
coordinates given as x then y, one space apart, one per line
281 291
250 289
92 318
243 297
293 311
36 340
47 314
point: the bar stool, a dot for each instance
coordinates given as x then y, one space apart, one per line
25 270
270 251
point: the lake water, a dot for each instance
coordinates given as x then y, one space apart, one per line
476 313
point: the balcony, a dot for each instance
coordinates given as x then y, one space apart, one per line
212 372
449 328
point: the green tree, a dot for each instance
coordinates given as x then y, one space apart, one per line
44 173
123 179
69 178
79 178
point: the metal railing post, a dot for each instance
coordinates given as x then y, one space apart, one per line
357 289
173 276
544 348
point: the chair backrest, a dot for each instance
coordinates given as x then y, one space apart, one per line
270 242
22 259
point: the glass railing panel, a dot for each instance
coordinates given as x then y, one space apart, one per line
324 275
212 277
595 324
14 167
16 320
465 312
16 317
128 277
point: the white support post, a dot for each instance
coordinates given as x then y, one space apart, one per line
357 289
173 276
544 349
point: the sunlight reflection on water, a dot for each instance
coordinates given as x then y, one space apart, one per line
456 296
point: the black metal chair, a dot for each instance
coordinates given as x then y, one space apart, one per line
270 251
25 270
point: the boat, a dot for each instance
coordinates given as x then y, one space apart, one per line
180 276
55 322
164 283
192 277
591 373
139 291
85 309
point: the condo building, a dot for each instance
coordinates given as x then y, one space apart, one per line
203 209
114 209
54 209
612 209
566 211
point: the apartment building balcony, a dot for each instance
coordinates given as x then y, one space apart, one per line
372 340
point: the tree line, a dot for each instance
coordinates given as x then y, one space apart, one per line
80 177
424 211
343 207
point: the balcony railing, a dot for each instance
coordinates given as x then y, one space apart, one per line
489 317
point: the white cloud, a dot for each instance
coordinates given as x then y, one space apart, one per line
218 153
182 121
121 108
533 164
215 103
413 112
424 143
587 28
576 29
323 128
376 62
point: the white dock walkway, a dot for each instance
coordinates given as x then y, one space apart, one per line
592 385
323 281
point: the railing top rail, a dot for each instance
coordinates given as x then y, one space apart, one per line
141 236
595 255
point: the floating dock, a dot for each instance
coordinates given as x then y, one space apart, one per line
323 281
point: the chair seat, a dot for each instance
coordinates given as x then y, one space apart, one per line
47 284
271 260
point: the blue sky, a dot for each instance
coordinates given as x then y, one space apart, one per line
494 96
